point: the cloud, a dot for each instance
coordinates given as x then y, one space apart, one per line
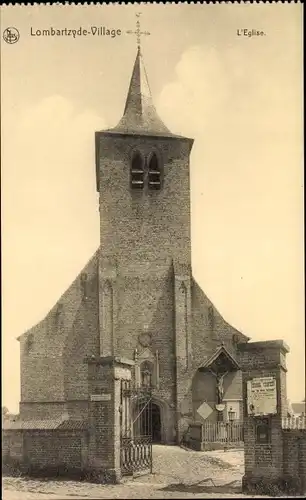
230 88
50 204
52 156
243 110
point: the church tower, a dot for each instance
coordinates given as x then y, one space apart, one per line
145 250
143 181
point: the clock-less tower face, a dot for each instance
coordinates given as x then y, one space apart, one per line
144 197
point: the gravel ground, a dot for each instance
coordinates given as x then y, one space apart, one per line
177 473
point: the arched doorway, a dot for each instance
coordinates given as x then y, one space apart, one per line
150 421
156 423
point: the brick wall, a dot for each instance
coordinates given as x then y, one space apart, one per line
294 459
82 340
12 446
279 464
144 226
42 410
146 304
49 385
53 369
53 451
209 328
54 448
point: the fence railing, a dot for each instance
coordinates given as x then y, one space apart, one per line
294 422
223 432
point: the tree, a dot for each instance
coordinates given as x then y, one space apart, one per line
5 412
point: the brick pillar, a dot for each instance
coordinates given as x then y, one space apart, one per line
105 375
263 435
107 305
183 344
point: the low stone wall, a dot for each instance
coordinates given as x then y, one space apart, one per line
12 448
45 452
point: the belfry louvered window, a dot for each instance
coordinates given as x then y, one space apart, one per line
137 172
154 175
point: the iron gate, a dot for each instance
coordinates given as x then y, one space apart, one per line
136 430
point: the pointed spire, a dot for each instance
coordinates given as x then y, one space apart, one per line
140 115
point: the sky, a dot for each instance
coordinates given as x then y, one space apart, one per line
239 97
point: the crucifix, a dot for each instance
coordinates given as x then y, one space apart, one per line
219 384
138 32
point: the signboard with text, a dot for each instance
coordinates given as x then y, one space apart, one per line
262 396
100 397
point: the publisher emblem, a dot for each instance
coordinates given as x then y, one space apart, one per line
11 35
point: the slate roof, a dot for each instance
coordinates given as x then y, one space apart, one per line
140 115
72 425
222 351
62 423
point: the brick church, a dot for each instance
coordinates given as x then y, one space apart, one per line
137 298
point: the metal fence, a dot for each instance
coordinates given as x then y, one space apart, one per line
136 429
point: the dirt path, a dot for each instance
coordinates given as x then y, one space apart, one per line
177 473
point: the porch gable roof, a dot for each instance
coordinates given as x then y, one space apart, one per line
221 356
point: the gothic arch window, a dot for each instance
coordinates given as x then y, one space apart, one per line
154 175
137 171
146 374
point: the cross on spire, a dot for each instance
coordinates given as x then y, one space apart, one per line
138 32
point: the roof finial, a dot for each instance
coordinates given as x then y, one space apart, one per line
138 32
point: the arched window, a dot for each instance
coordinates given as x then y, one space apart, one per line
146 374
154 173
137 172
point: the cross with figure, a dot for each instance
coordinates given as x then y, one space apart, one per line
219 385
138 32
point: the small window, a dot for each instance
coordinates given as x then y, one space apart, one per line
137 172
263 431
154 173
